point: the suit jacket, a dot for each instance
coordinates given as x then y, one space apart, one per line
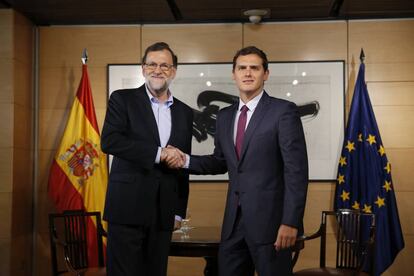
137 186
270 180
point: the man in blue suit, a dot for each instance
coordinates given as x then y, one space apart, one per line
260 142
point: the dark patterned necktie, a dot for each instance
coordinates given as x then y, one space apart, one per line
241 126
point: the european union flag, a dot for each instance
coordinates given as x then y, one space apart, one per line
364 176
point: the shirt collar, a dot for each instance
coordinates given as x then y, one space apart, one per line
252 104
153 99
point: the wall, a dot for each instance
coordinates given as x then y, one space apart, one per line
390 66
16 143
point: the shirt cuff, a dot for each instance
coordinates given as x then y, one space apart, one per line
158 156
178 218
187 161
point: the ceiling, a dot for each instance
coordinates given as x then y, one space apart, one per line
75 12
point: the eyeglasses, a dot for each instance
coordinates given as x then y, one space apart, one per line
163 66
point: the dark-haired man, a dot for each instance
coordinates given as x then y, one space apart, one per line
260 142
145 199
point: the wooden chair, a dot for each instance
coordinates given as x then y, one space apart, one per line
69 243
354 246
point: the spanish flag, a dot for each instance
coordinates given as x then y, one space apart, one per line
78 175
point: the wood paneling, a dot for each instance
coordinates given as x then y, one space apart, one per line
196 43
388 48
5 215
6 171
6 80
6 129
299 41
206 203
405 205
22 83
51 126
402 161
23 39
6 33
63 46
58 86
396 125
5 255
391 93
22 127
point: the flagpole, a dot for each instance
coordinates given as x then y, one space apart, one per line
84 56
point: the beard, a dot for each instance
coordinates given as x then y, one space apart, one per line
158 87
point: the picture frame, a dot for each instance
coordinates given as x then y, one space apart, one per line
317 87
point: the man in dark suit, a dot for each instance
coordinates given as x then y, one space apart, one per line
260 142
145 199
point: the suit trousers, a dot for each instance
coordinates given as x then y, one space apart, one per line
134 250
239 256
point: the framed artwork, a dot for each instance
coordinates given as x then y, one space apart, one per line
317 87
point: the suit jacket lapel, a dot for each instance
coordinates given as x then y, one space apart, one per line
148 114
230 132
255 120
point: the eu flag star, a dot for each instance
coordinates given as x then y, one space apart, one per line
387 186
345 195
371 139
380 202
360 137
350 146
341 179
381 150
356 205
388 167
367 209
342 161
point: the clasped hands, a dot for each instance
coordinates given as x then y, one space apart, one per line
173 157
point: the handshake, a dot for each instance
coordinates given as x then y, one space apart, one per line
173 157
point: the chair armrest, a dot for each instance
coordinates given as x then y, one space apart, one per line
68 263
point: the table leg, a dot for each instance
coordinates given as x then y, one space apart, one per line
211 268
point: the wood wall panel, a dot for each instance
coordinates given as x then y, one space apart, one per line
405 205
63 46
388 48
6 80
320 198
5 254
396 125
6 129
196 43
206 203
58 86
403 264
23 82
6 171
5 215
51 126
6 34
402 161
23 40
391 93
299 41
22 127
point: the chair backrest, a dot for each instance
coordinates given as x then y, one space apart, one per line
69 239
355 236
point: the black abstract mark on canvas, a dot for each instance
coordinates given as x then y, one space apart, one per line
205 119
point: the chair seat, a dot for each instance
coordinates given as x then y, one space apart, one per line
327 271
92 271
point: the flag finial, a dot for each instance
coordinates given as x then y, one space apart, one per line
362 56
85 56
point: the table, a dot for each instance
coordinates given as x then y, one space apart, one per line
199 242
